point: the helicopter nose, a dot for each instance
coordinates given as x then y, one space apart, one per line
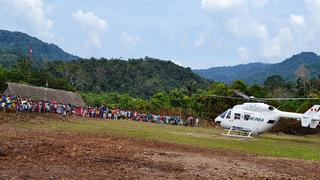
217 120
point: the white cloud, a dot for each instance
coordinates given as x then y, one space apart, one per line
270 46
177 62
247 27
296 20
33 14
243 53
278 45
221 4
259 3
200 41
311 33
314 6
95 25
89 20
215 5
182 45
128 39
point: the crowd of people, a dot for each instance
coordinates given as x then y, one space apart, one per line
13 103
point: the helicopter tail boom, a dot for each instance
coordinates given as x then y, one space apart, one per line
311 118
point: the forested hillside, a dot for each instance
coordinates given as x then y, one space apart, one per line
15 44
137 77
256 73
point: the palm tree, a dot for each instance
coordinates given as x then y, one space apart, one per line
191 87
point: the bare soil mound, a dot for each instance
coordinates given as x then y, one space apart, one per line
12 117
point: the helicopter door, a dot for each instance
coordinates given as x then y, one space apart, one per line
228 120
238 120
228 117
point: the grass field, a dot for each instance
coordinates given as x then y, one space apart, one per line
298 147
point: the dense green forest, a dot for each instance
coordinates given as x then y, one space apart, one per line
256 73
137 77
8 57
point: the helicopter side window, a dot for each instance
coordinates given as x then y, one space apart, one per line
271 121
246 117
271 108
223 114
237 116
229 115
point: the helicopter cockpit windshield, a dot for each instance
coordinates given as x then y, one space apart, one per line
223 114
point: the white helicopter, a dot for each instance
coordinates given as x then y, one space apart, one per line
257 118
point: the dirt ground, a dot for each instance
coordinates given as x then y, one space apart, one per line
34 154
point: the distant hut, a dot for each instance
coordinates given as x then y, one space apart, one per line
44 94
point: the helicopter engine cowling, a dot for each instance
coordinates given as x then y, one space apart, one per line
311 118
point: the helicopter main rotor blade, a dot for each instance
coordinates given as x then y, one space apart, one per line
286 99
241 94
223 97
256 99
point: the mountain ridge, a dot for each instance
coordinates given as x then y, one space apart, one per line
257 72
14 44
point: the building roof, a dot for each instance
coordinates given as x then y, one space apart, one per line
44 94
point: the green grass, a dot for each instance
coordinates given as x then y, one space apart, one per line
299 147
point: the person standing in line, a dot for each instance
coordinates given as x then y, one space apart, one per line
196 123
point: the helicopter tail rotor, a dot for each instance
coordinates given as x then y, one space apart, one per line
311 118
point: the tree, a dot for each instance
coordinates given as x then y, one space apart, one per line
258 91
302 75
3 83
274 82
218 88
191 87
239 85
14 75
176 97
24 65
160 101
315 83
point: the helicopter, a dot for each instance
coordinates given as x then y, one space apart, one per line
258 117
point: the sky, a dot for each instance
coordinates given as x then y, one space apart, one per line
191 33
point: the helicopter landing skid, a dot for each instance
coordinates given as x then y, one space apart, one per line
240 133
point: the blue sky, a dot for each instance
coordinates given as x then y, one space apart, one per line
192 33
